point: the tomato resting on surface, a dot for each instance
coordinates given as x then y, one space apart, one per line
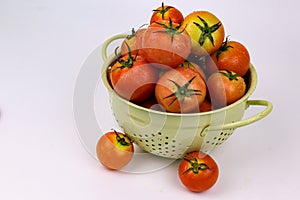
198 171
114 150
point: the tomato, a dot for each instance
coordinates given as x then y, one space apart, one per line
180 90
225 87
194 67
165 13
198 171
166 45
205 106
233 56
114 150
133 78
206 30
134 42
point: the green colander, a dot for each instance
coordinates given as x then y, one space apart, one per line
172 135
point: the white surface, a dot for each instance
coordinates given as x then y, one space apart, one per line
43 45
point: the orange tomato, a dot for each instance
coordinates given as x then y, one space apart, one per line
133 78
166 45
225 87
233 56
180 90
165 13
114 150
198 171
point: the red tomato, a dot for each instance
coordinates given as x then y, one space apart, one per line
233 56
198 171
166 45
206 30
180 90
225 87
165 13
133 78
114 150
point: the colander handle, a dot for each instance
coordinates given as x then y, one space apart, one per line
246 121
108 41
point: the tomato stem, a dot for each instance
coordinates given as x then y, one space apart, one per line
230 75
207 30
182 91
163 10
134 32
121 139
125 63
196 166
224 47
169 29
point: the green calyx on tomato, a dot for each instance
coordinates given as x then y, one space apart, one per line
125 63
134 32
163 10
182 91
169 29
207 30
231 76
224 47
196 166
121 139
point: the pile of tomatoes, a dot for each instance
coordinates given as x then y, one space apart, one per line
176 64
180 64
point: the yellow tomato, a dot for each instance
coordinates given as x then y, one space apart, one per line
206 31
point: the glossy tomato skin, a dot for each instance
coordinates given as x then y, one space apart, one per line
164 49
135 83
225 87
207 35
180 90
166 12
114 150
198 171
233 56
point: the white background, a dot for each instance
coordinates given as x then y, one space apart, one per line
43 45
